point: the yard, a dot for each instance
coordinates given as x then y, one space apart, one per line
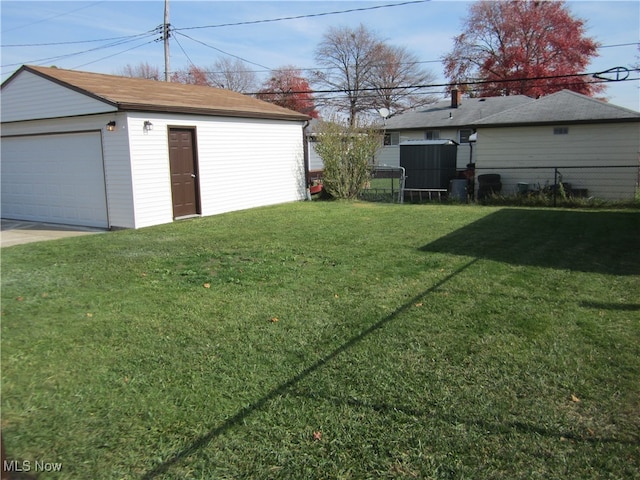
329 340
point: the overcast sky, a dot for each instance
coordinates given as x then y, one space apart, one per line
426 29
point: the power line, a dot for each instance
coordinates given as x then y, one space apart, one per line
50 44
222 51
52 17
125 39
448 91
469 83
183 51
251 22
311 15
114 54
68 55
620 45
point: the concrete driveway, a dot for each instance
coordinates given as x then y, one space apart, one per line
17 232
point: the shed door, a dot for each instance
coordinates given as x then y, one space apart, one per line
55 178
184 184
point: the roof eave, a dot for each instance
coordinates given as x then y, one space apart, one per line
556 122
430 126
210 111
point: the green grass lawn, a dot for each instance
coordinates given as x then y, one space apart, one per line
326 340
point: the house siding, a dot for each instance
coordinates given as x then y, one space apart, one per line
499 150
151 178
247 163
33 97
242 163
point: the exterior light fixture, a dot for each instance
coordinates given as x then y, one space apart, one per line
111 126
147 125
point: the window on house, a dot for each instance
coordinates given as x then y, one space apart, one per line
432 135
464 134
561 131
392 138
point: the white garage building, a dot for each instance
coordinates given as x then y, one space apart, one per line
104 151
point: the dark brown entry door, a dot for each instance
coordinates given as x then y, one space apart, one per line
184 180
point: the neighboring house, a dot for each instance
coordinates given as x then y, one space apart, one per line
588 141
106 151
444 120
311 134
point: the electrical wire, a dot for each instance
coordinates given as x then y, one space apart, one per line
5 30
183 51
125 39
114 54
311 15
468 83
221 51
155 30
69 55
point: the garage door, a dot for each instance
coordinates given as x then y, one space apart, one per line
54 178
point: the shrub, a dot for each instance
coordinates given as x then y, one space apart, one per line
348 153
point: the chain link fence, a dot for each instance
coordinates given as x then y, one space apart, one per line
610 183
535 185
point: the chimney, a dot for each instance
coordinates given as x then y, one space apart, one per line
456 98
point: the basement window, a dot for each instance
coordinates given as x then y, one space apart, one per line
561 130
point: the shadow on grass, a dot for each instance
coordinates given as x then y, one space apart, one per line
585 241
496 428
623 307
238 418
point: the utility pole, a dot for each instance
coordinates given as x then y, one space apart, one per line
165 36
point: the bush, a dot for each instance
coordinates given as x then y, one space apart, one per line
348 153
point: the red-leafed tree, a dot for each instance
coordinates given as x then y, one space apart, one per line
522 47
288 88
192 76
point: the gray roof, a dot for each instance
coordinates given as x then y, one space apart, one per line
442 115
561 107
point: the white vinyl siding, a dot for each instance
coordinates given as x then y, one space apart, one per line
31 97
149 166
586 146
242 163
248 163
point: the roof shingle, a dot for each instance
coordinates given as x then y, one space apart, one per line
149 95
442 115
564 106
